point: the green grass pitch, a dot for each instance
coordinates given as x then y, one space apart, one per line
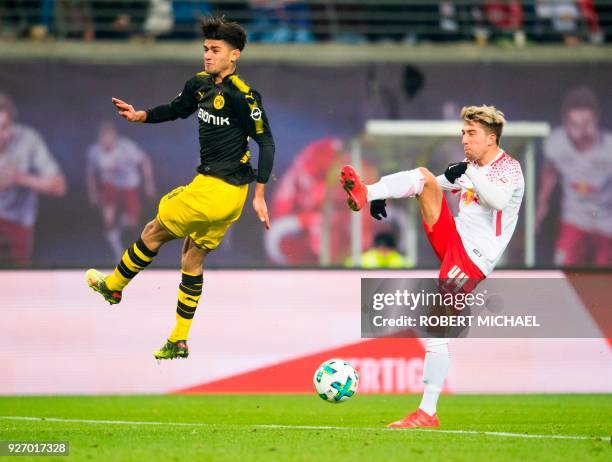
292 428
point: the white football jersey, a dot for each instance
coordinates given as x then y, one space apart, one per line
119 166
485 232
26 153
586 181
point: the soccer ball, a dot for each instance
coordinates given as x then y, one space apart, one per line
336 381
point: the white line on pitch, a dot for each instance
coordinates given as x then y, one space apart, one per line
307 427
517 435
459 432
115 422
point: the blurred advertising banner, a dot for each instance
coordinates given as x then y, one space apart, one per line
106 176
267 337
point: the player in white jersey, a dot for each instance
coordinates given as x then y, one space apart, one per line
579 157
491 187
27 169
114 165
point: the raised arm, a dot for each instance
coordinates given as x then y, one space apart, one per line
53 185
128 112
182 106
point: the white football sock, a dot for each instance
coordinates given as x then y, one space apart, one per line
435 369
408 183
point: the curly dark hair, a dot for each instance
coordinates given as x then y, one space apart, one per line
218 28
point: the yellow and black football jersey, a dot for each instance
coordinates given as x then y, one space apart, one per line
228 112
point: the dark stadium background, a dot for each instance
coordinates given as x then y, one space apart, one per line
65 101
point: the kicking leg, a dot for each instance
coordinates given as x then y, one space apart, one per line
190 290
430 198
408 183
137 257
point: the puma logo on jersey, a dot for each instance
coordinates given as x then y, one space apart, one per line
209 118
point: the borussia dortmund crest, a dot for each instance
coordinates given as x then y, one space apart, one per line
219 102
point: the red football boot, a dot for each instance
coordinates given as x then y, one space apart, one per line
355 188
417 419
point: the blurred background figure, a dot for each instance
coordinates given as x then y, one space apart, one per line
570 20
279 21
116 167
26 18
26 170
118 19
159 20
74 19
579 157
505 19
309 209
452 21
383 254
299 21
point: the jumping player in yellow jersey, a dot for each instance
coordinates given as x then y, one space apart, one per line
229 112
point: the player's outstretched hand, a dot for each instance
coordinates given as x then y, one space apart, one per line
454 171
261 209
378 209
128 112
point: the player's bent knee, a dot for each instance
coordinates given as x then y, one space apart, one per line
150 229
429 177
154 235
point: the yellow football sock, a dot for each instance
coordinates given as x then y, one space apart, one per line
136 258
189 294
